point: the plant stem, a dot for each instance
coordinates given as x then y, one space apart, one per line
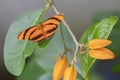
47 6
69 30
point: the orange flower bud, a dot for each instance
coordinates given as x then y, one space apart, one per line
70 73
59 68
98 43
102 53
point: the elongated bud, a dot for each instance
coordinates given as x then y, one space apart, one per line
59 68
102 53
70 73
98 43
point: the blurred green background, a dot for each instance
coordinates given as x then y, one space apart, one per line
80 14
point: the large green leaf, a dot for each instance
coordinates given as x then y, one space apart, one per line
15 51
101 30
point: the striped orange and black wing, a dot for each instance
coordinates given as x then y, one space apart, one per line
42 31
32 34
50 25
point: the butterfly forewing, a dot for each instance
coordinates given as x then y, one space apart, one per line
43 30
25 34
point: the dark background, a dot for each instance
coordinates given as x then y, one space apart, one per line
78 14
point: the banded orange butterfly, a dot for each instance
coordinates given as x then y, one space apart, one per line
42 31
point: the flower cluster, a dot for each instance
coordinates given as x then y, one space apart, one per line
98 50
62 69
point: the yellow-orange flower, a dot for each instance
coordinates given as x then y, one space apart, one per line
70 73
98 51
98 43
59 68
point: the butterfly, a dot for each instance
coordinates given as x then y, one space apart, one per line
42 31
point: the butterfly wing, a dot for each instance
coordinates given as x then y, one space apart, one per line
34 33
25 34
42 31
50 25
37 35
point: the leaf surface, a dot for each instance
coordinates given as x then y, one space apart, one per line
15 51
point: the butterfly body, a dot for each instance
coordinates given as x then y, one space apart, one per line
42 31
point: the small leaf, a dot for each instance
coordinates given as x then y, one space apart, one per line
15 51
44 43
103 14
99 30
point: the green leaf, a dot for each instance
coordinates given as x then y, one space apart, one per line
39 66
103 14
34 70
15 51
101 30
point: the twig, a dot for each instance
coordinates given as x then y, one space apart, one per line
69 30
47 6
